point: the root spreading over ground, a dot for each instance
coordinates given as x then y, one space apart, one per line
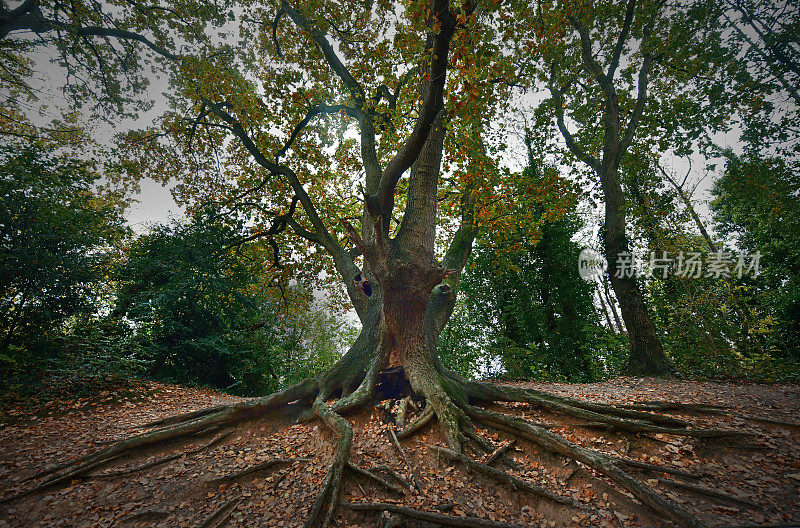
487 455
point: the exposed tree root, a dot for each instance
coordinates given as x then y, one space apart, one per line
620 461
770 421
703 408
643 423
487 447
263 466
509 480
418 423
377 478
500 451
435 518
451 400
325 505
180 418
397 445
700 490
221 515
161 461
405 404
664 406
392 473
593 459
613 410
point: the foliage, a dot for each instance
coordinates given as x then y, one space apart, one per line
462 344
58 228
524 302
107 53
200 312
56 231
757 204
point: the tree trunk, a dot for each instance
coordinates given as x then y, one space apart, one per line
612 307
605 311
647 355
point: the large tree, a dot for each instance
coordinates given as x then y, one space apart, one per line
55 234
311 127
646 77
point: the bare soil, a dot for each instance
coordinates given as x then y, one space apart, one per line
758 475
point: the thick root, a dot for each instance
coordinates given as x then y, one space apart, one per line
500 452
162 461
642 423
400 450
504 478
597 461
188 424
325 505
434 518
377 478
706 492
258 468
221 514
418 423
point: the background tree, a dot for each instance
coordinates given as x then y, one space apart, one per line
56 231
756 205
625 79
534 311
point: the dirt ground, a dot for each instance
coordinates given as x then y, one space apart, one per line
756 477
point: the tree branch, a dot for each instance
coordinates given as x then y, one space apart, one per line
641 99
623 36
313 112
341 71
588 59
642 81
344 263
368 151
432 103
28 17
573 146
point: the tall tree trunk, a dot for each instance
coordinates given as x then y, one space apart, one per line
647 355
612 307
605 311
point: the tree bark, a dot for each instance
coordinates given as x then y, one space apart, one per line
646 353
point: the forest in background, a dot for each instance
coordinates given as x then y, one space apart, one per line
391 209
212 300
87 302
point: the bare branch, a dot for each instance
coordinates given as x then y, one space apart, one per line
368 150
